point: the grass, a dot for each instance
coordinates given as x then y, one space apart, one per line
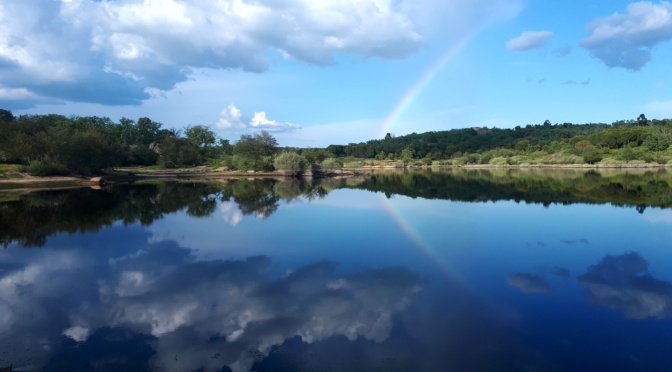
9 171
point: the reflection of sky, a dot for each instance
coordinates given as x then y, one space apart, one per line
212 289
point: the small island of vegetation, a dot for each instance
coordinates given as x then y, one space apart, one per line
51 145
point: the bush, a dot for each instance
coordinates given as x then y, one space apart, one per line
354 164
331 163
291 162
143 155
498 161
591 155
45 168
518 160
610 161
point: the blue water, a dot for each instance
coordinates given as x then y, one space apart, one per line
352 281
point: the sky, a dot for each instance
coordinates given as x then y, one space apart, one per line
320 72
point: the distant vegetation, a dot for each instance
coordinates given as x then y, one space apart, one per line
55 144
625 141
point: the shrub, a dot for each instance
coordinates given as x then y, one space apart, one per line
498 161
610 161
591 155
45 168
291 162
354 164
331 163
518 160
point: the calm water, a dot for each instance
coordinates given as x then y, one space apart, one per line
426 271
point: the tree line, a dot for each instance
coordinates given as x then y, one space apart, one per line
621 141
56 144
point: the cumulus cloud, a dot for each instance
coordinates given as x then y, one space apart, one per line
624 283
230 212
626 40
114 52
528 283
232 118
194 309
529 40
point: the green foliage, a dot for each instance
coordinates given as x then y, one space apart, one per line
6 116
314 156
331 163
591 155
354 164
291 162
143 155
254 152
203 139
178 152
498 161
610 162
44 168
407 155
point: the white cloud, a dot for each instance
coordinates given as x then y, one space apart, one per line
232 118
626 40
122 52
231 213
660 109
121 48
77 333
529 40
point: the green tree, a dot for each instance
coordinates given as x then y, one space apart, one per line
148 130
177 152
201 137
6 116
407 155
642 120
254 152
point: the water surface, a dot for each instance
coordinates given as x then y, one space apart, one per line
423 271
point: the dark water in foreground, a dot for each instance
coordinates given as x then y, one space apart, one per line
428 271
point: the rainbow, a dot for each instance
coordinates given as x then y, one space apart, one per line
416 89
418 240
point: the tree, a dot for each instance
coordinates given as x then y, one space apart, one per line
202 138
254 152
407 155
6 116
148 130
642 120
178 151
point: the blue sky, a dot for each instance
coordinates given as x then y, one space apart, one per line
325 72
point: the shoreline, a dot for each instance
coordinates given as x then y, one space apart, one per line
20 180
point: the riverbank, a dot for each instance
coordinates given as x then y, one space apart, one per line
12 179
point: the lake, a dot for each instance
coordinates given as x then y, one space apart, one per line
452 270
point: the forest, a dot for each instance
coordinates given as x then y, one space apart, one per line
53 144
